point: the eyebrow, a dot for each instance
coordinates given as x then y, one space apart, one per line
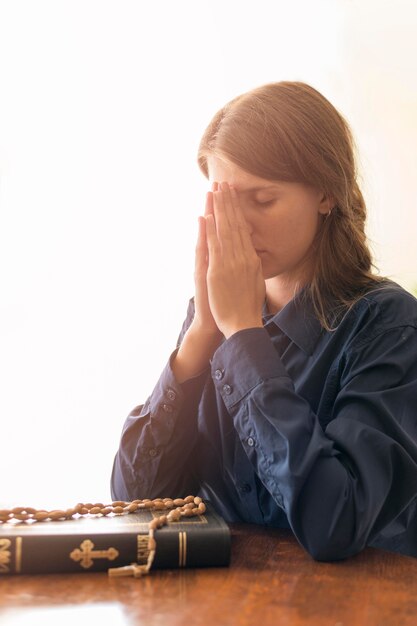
254 189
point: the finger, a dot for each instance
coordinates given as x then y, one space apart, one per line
231 217
201 247
242 224
237 211
224 232
228 204
201 264
209 204
213 246
232 206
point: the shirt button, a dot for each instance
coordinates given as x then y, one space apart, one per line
227 389
246 488
218 374
171 395
167 408
251 441
153 452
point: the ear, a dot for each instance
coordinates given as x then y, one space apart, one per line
326 204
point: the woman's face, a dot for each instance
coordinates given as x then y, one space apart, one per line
283 218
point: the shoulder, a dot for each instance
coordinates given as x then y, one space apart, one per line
391 304
387 308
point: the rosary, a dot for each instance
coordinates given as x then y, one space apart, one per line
177 508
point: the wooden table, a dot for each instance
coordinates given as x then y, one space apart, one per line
271 581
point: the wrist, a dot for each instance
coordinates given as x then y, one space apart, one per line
195 352
235 328
204 331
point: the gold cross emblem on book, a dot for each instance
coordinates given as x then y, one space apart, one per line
86 553
4 555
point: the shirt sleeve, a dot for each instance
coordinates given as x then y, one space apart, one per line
341 484
155 455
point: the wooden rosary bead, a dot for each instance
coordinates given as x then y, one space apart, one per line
174 516
40 516
154 524
57 515
21 516
106 510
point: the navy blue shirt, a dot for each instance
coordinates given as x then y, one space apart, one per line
293 426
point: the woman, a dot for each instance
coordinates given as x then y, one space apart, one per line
291 399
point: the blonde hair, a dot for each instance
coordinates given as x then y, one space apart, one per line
289 131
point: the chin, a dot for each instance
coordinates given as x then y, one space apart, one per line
270 272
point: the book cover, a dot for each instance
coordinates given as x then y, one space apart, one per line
97 544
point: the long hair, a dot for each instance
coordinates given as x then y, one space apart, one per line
289 131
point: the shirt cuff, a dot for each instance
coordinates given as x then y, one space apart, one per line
167 400
244 361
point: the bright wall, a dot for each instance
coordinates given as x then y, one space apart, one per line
102 105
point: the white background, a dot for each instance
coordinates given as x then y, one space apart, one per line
102 105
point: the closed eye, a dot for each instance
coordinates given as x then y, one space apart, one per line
265 203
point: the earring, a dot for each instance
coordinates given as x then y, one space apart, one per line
328 214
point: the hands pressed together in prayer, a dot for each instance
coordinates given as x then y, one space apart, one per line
229 284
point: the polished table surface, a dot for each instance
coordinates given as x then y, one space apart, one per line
271 580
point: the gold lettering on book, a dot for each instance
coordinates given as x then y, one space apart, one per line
5 555
86 553
143 549
18 555
182 548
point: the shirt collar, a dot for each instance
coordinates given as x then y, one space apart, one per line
298 321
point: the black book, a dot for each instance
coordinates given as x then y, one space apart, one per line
88 544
